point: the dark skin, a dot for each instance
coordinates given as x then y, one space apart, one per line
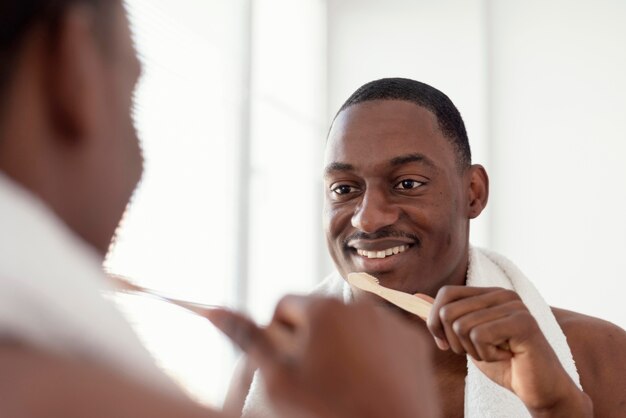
304 378
394 181
381 377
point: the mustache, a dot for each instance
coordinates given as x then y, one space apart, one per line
382 233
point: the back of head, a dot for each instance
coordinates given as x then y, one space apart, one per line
67 74
448 117
17 17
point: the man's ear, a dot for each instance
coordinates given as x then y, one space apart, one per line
478 190
74 75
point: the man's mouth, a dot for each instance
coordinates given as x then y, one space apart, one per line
376 254
382 253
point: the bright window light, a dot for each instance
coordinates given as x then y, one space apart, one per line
222 80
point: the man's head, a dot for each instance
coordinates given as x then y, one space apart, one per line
68 70
400 188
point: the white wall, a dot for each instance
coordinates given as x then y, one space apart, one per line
558 148
542 89
286 137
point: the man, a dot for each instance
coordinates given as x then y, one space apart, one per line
69 162
400 191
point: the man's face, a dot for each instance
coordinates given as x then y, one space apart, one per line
395 198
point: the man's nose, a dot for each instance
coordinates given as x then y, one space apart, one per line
374 212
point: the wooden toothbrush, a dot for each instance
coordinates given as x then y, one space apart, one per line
406 301
122 284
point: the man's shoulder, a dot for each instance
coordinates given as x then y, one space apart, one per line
597 345
579 326
599 350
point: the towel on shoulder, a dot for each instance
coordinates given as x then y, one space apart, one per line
483 397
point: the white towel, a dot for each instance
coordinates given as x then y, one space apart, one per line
483 397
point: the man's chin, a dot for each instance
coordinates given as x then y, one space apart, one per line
362 295
382 303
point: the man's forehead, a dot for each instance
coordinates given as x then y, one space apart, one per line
384 116
383 132
394 162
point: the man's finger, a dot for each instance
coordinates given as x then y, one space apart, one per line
295 311
248 336
427 298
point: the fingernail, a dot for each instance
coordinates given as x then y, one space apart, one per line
442 344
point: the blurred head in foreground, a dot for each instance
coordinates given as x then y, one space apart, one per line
68 69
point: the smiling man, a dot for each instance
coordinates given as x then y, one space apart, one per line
400 191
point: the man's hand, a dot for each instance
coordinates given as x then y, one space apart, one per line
321 358
37 384
480 321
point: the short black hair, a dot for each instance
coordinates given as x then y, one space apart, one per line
448 116
18 16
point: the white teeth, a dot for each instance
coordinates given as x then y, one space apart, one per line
383 253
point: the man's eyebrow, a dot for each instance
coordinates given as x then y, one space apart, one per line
332 167
412 158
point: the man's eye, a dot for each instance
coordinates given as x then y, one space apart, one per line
343 189
408 184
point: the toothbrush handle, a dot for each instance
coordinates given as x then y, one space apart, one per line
408 302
